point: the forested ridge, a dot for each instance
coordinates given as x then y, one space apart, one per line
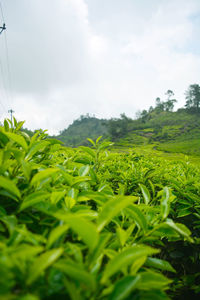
161 126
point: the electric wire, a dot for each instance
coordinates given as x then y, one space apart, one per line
7 55
1 9
8 69
3 107
3 82
3 90
8 91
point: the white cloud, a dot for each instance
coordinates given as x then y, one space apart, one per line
70 57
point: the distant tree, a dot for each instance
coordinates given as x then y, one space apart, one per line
159 105
114 128
150 109
118 127
124 120
158 101
138 114
169 94
85 126
124 117
169 104
28 131
193 97
144 115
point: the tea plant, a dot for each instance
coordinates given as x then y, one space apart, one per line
89 224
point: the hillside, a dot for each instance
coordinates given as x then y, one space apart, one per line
165 130
78 132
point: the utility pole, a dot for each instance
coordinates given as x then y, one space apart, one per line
2 28
11 112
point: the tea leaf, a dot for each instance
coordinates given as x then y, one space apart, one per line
145 193
180 228
9 185
72 290
125 258
91 141
159 264
85 229
137 216
43 175
3 138
37 146
76 272
122 235
55 234
123 287
33 199
151 280
137 264
165 203
88 150
84 170
42 262
18 139
112 208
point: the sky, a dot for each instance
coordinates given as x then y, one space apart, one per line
65 58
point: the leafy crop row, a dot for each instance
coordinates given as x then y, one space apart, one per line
88 224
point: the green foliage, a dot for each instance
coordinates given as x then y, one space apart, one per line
157 125
193 98
189 147
118 127
170 131
77 133
89 224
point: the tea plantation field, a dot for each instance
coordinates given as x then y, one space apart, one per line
87 223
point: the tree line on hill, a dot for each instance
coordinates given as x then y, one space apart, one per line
119 127
115 128
192 102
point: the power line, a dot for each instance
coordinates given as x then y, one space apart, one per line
1 9
1 67
7 52
9 90
3 80
3 107
8 66
4 90
4 94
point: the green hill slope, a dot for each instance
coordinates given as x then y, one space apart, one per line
85 127
168 131
175 132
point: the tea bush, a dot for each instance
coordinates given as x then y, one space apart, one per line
89 224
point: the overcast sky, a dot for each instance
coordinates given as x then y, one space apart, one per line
103 57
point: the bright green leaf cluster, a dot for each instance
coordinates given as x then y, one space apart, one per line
83 223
